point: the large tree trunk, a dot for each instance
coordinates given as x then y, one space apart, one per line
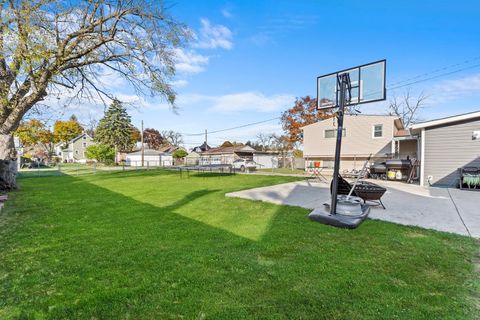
8 163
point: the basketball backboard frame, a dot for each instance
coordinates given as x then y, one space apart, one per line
356 91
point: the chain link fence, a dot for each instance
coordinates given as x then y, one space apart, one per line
76 169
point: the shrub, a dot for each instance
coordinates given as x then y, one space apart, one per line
100 152
180 153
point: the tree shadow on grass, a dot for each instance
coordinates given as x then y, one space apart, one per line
93 252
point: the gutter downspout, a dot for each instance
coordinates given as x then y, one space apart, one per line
422 158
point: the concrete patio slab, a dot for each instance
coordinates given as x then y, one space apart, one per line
449 210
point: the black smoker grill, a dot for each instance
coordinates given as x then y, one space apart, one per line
380 169
402 165
398 164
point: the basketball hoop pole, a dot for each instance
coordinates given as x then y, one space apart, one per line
344 80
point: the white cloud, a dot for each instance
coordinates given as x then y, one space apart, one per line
270 30
462 85
110 79
227 14
140 103
251 101
63 106
453 89
189 61
238 102
214 36
180 83
261 39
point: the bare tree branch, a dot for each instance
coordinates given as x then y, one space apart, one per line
408 107
46 45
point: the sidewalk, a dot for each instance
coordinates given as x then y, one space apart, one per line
449 210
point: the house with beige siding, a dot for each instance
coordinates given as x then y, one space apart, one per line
384 137
446 145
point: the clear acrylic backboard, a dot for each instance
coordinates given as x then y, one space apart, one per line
367 84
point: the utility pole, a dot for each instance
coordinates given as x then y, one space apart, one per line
206 137
143 149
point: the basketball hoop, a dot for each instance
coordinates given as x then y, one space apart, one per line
362 84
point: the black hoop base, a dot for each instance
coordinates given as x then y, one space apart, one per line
340 220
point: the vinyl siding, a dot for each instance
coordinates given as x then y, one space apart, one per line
77 145
408 149
345 164
449 147
358 141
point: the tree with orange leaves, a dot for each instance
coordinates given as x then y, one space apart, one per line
304 112
35 132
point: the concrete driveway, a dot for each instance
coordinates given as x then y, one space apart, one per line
449 210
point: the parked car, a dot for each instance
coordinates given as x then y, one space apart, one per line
244 164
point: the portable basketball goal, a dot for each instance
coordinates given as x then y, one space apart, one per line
336 91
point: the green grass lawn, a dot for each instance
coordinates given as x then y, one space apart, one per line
149 245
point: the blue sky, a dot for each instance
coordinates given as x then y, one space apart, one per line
250 59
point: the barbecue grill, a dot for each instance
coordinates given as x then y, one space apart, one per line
398 164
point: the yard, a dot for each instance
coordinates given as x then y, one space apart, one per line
149 245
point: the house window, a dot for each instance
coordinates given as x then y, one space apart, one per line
332 133
76 151
378 131
84 144
84 138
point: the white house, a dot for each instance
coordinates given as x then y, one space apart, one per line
192 159
266 159
151 158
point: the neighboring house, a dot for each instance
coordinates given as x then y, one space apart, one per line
382 136
448 144
266 159
18 146
170 148
151 158
74 150
19 149
202 148
192 159
226 155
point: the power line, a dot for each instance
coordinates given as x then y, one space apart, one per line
232 128
437 70
435 77
245 125
391 87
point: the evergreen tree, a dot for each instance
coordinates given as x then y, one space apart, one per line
115 128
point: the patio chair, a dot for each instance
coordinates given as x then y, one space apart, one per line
365 190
